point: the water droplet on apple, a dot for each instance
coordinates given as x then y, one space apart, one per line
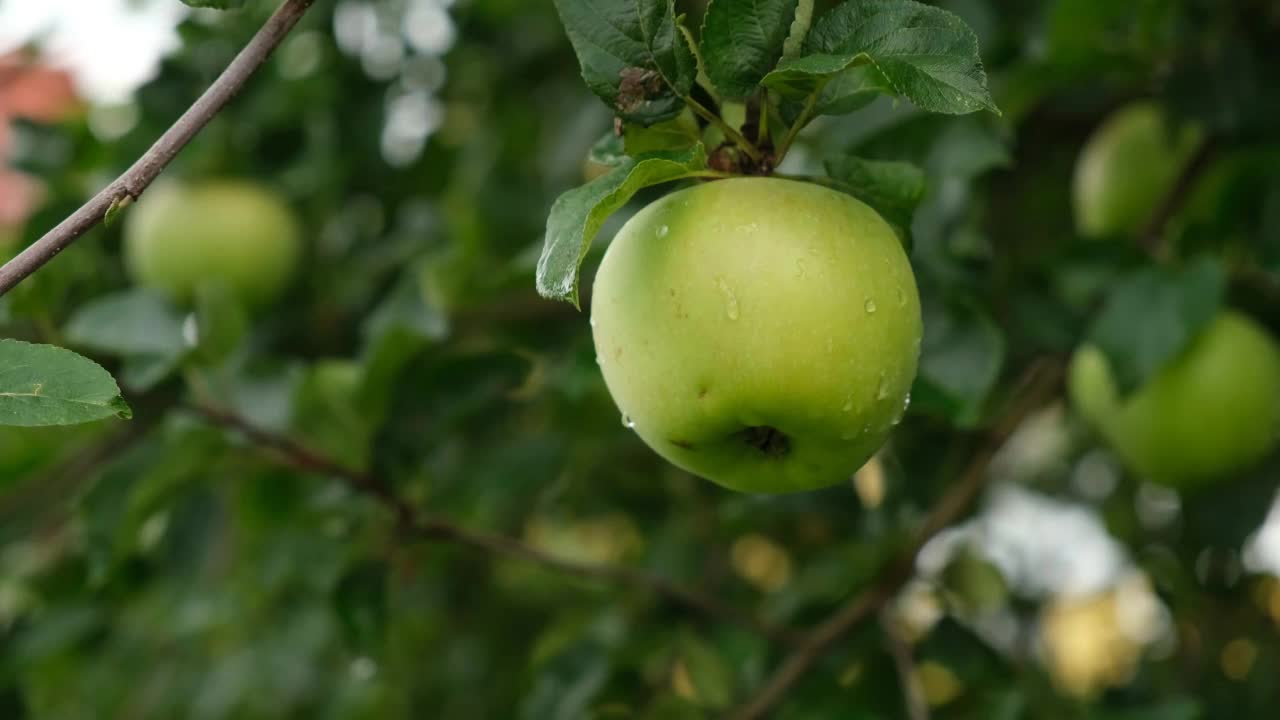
902 298
592 322
730 300
848 404
869 306
882 391
627 422
662 231
800 269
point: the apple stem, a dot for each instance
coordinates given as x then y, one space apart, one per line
738 139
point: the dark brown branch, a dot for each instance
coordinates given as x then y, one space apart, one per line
303 458
434 528
129 186
1152 237
1039 383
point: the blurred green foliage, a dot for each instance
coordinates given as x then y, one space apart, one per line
165 568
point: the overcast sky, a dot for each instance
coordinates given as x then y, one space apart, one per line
111 46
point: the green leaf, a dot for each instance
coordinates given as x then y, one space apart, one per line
742 41
1151 316
679 133
960 360
360 601
578 214
117 206
221 322
140 326
609 150
923 53
47 385
852 90
565 686
806 75
799 29
133 322
216 4
327 411
409 307
632 55
894 189
709 674
140 373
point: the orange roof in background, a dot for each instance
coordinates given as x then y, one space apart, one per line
33 92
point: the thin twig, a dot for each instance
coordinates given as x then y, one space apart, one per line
303 458
1152 237
794 131
439 529
762 129
912 693
1039 382
738 138
129 186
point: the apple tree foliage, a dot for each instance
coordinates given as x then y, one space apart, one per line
402 490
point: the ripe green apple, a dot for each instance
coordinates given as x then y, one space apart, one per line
232 232
1213 411
1130 162
759 332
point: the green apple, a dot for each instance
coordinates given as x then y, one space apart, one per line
235 233
1130 162
1213 411
759 332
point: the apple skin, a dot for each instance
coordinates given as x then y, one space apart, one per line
1213 411
233 232
1127 165
758 332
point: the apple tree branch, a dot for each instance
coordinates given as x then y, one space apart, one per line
434 528
1038 384
129 186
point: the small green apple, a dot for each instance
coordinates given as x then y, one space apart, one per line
232 232
1130 162
1213 411
759 332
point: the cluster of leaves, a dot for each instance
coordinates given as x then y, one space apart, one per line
767 67
165 567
